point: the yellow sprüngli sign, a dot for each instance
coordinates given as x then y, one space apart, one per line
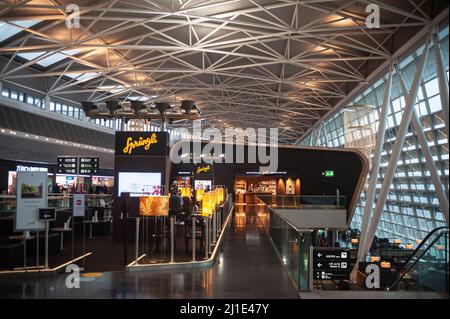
144 143
203 169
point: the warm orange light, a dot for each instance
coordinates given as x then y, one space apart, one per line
409 246
355 241
185 192
154 206
208 204
374 259
199 194
385 264
397 241
221 195
418 241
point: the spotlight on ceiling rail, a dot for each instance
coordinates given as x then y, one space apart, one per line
112 106
88 107
162 107
136 106
187 106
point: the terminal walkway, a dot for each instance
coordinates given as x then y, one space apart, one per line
247 267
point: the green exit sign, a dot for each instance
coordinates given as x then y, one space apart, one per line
328 173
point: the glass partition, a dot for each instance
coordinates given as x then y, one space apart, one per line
294 248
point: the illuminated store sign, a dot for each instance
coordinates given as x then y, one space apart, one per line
203 169
141 143
21 168
266 173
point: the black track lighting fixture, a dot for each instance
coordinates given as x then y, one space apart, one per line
88 107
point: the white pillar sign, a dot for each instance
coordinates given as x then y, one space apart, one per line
78 205
31 195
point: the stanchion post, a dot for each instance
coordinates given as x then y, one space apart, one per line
137 240
37 248
24 251
206 237
172 238
193 238
47 226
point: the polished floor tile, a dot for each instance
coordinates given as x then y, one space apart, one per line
247 267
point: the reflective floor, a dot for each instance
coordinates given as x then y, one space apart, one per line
247 267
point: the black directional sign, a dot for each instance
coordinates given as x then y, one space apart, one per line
88 165
331 263
321 254
331 275
67 165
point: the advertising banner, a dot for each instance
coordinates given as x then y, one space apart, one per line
78 205
154 206
31 195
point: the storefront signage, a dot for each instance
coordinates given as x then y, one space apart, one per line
88 165
266 173
21 168
31 195
78 205
331 264
67 165
203 169
141 143
184 173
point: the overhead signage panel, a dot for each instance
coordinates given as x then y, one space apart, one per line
88 165
67 165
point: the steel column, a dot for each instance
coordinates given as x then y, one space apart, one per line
370 196
443 81
443 200
396 150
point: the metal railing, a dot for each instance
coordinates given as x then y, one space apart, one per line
304 201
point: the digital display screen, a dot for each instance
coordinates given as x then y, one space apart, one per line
202 184
139 183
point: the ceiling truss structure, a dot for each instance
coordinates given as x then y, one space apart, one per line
247 63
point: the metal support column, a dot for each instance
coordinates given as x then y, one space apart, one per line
397 149
370 195
317 142
325 137
443 81
421 138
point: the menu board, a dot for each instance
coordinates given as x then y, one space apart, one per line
154 206
88 165
67 165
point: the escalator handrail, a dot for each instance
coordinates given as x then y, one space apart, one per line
424 241
404 269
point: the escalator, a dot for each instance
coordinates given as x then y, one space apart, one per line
427 267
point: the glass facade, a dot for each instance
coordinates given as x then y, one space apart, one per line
412 207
